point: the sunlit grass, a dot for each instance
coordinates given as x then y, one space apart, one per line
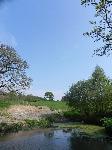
54 105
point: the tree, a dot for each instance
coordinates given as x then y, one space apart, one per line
93 95
101 90
102 25
49 96
12 70
78 96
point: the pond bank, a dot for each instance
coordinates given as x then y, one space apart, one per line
50 139
20 117
80 130
85 130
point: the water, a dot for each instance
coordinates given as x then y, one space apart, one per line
49 140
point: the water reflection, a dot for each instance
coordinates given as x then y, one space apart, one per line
50 140
79 143
49 134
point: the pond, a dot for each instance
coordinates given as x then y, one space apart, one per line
50 139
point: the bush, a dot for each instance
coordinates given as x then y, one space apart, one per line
42 123
93 119
73 115
57 117
107 123
8 128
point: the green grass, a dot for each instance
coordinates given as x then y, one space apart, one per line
7 103
42 123
53 105
4 104
91 130
28 124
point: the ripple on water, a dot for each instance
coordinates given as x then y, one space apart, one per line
50 140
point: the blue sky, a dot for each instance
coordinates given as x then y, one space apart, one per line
49 35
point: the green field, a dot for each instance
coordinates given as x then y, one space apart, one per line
54 105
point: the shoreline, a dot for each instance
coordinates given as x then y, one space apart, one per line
83 131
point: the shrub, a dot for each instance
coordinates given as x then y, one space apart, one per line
107 123
13 127
73 115
42 123
56 117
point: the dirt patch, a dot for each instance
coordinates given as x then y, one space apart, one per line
21 112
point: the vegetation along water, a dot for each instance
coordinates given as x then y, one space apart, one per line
82 118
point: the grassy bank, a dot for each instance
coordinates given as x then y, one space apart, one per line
91 130
27 124
9 121
54 105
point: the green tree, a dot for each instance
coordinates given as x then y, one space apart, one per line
102 25
12 71
78 96
101 90
93 95
49 96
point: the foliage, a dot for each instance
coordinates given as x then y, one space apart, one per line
102 26
8 100
57 117
73 115
42 123
49 96
53 105
107 123
15 127
93 96
12 127
31 98
12 70
4 104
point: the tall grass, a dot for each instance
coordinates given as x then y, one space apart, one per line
54 105
34 101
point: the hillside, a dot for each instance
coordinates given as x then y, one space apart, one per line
17 113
